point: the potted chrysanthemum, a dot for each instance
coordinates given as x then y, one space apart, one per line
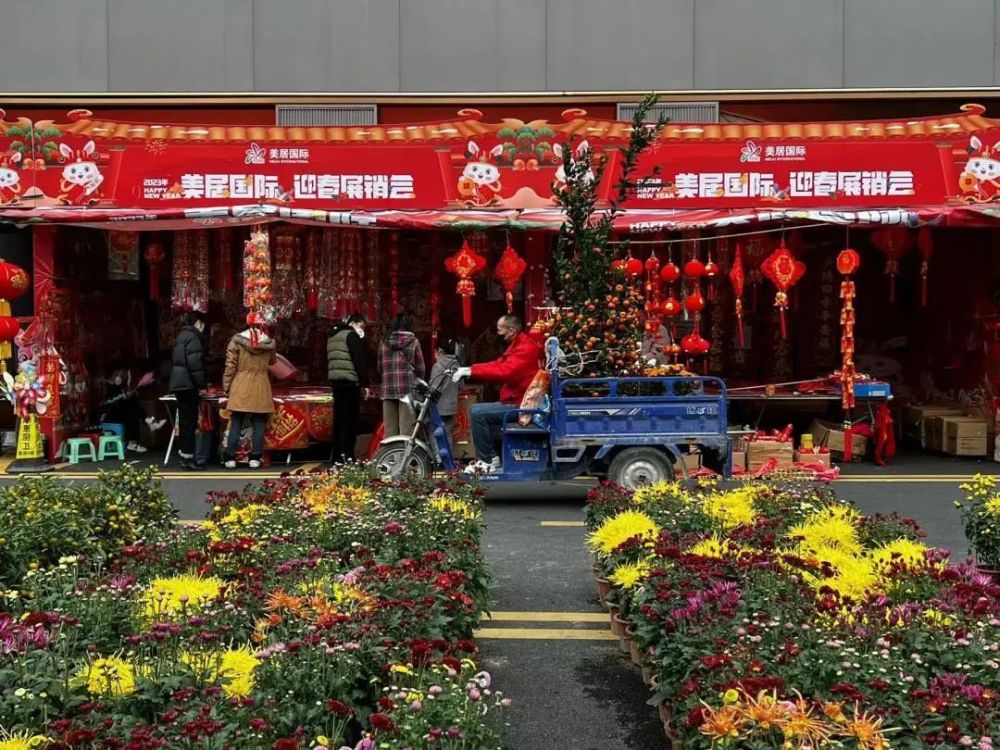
981 517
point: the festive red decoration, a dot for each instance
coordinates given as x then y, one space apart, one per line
783 270
633 267
257 295
885 436
652 295
671 306
755 251
618 266
894 242
154 255
394 272
9 328
737 279
925 244
14 281
694 303
695 345
312 270
712 270
848 262
508 272
465 264
670 273
694 269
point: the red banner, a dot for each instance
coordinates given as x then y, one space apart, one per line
469 165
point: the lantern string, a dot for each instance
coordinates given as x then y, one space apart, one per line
712 237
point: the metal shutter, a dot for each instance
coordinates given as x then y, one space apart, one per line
675 112
323 115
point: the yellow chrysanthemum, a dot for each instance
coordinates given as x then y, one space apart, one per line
834 526
629 574
938 618
454 507
22 741
235 518
166 598
234 668
333 496
902 550
661 492
617 529
109 676
714 546
854 575
867 730
733 508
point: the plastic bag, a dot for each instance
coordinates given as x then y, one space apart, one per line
536 396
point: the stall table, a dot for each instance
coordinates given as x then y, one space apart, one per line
791 397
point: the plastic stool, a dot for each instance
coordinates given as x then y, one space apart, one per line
114 429
78 448
111 445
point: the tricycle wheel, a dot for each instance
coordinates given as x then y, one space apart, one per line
389 462
636 467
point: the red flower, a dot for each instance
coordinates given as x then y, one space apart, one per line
286 743
383 723
338 707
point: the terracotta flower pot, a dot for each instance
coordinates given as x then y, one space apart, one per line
633 647
603 589
618 625
666 717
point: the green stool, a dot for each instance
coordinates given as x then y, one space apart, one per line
76 448
111 445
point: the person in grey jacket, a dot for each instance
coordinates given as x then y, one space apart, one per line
187 379
348 373
446 358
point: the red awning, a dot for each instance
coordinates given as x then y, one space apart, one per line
634 221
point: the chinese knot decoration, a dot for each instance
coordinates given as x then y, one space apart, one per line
737 278
894 243
925 244
257 295
154 255
14 282
508 272
465 264
848 262
783 270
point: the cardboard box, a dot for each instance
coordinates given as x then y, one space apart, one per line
965 427
965 446
739 459
831 435
813 458
933 433
759 452
915 419
691 461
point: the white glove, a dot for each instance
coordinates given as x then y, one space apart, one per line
461 373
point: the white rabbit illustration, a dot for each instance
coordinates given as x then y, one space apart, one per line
10 180
480 180
80 176
559 151
981 175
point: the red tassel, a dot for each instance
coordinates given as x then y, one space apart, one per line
848 442
739 328
923 291
467 311
784 325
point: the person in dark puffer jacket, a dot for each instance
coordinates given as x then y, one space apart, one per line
348 374
187 378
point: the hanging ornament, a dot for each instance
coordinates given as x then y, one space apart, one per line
257 295
695 345
670 272
651 295
925 244
694 303
223 253
633 267
756 249
737 279
894 242
712 272
783 270
14 282
671 306
465 264
312 269
510 268
394 272
694 269
618 266
848 262
154 255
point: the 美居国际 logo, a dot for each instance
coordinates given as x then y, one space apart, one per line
254 154
750 152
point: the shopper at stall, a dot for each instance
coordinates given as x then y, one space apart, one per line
120 406
400 360
347 370
445 359
247 384
513 371
187 378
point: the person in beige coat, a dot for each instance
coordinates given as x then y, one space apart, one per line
247 382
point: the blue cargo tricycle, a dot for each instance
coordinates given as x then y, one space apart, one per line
633 430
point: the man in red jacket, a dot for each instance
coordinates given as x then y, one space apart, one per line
514 371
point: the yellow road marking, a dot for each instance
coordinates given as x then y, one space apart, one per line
601 617
561 523
545 634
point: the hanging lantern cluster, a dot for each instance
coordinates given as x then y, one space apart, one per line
465 264
14 282
510 268
894 243
737 278
783 270
848 262
694 344
257 295
652 295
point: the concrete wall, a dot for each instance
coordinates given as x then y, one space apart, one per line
493 45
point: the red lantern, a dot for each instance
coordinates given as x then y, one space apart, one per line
894 243
154 255
633 267
671 307
465 264
694 303
737 279
694 269
652 295
695 345
784 271
670 273
9 328
925 244
712 270
848 262
508 272
14 281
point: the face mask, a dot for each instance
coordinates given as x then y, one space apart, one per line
359 331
